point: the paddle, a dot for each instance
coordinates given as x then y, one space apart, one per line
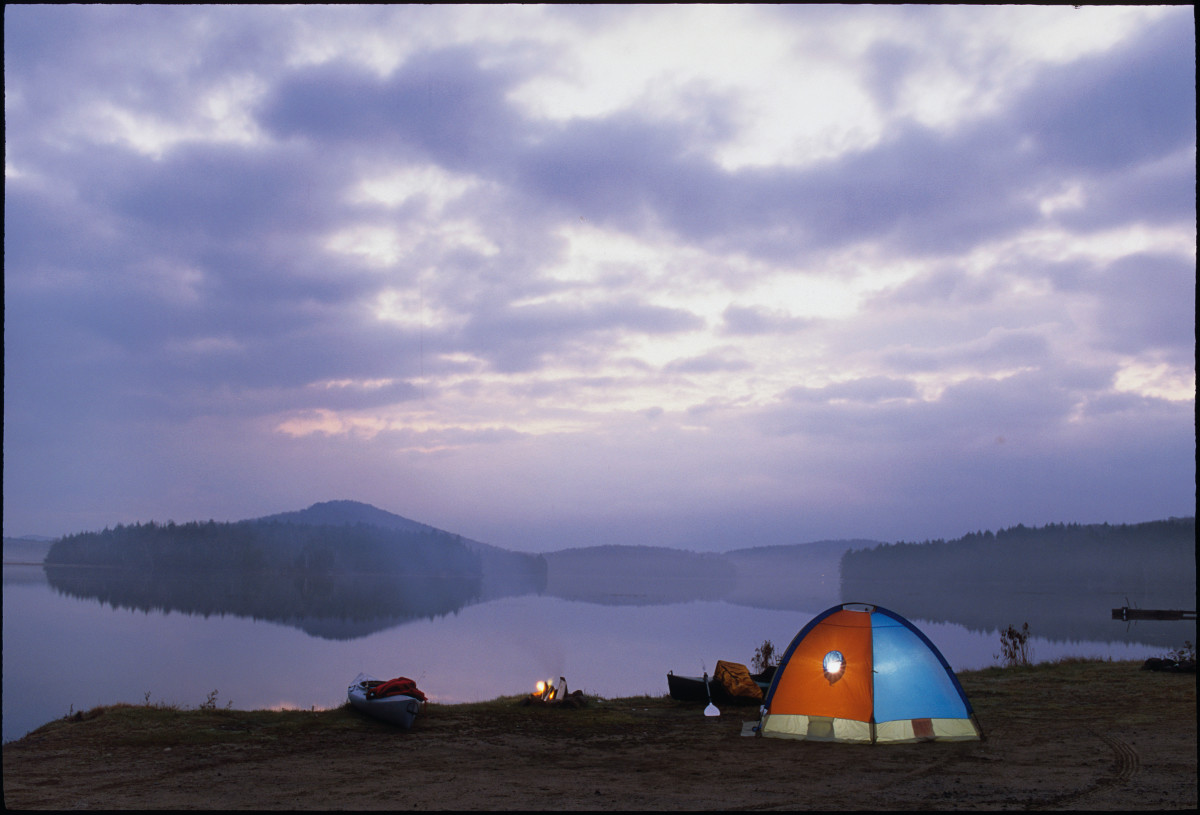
711 710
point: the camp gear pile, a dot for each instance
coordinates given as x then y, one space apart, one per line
401 685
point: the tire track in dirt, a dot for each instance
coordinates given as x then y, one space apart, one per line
1126 763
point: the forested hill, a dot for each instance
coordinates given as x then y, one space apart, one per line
353 513
339 536
343 513
338 570
267 546
1072 555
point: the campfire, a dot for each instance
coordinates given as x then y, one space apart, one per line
547 692
550 695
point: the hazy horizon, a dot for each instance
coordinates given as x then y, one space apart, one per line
864 541
703 277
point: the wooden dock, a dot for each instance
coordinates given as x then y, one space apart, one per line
1127 613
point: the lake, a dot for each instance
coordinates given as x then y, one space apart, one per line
66 651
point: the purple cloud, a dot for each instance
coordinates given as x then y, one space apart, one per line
601 284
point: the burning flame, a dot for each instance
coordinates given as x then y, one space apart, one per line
546 690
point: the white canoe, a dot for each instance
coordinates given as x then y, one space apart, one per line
399 710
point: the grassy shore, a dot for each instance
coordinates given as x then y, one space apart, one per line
1073 734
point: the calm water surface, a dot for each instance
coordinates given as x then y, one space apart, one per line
64 654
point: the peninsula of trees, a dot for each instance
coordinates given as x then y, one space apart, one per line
1063 579
1125 556
268 546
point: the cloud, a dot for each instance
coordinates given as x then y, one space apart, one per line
1148 304
600 270
630 170
1110 111
995 352
518 338
756 320
438 105
869 389
708 363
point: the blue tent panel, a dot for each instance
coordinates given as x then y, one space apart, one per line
912 679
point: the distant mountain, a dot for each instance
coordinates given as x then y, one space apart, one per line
786 577
504 572
345 568
352 513
796 576
636 575
338 569
835 548
31 549
348 513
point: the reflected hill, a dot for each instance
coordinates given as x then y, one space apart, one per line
341 570
338 606
1062 579
796 577
329 579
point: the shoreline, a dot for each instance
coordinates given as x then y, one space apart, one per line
1070 735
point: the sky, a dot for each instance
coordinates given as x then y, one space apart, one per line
695 276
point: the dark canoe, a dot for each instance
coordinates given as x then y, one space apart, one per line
691 688
686 688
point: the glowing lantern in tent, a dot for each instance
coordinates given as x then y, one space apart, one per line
861 673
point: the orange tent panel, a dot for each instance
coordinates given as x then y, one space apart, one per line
804 688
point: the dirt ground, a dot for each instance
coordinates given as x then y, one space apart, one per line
1086 736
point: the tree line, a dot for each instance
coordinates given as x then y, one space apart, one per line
1072 554
267 547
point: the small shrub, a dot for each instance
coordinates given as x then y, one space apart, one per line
1014 647
211 703
764 656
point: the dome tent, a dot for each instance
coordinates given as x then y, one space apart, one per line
862 673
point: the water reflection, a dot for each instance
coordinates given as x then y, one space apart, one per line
332 606
342 605
613 625
1059 612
